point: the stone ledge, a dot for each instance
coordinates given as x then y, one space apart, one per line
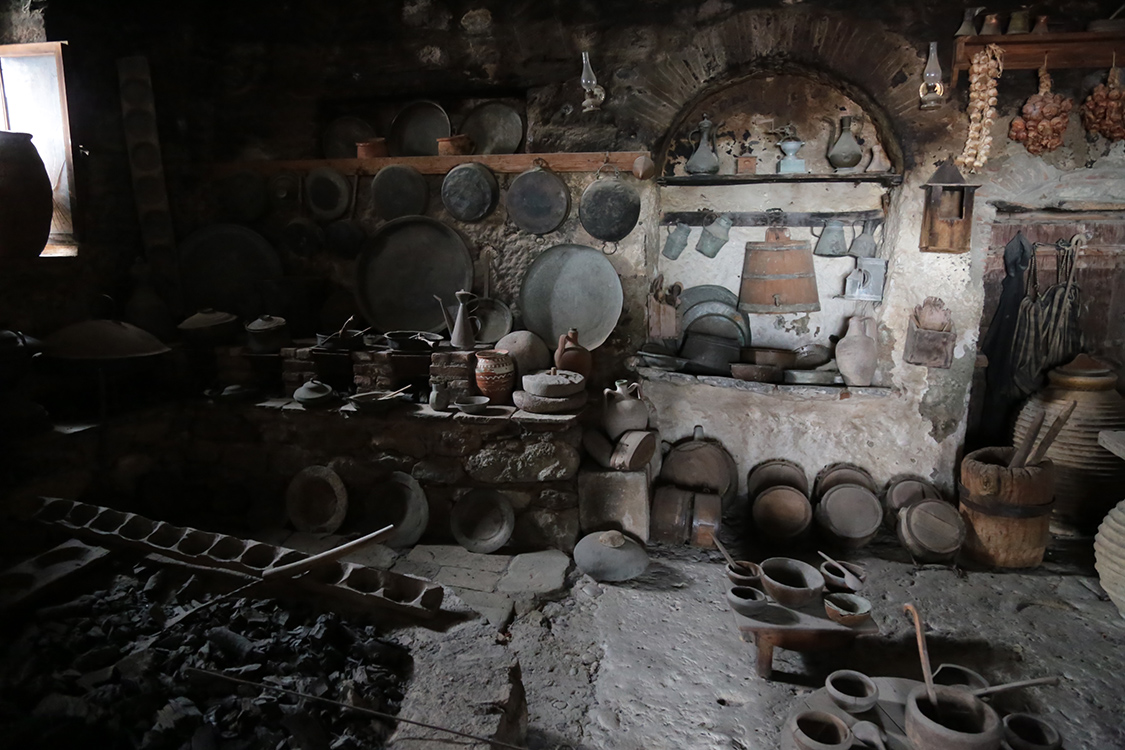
797 392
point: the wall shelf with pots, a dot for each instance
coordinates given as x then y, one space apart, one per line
886 179
763 218
1078 49
586 161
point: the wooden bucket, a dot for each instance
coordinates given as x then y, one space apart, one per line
778 276
1006 511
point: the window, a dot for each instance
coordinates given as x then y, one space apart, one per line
33 100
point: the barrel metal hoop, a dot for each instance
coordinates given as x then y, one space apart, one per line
989 506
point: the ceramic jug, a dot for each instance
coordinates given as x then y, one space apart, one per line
830 243
677 241
571 355
855 353
461 330
704 160
714 236
845 152
879 162
968 25
863 246
623 411
991 25
439 397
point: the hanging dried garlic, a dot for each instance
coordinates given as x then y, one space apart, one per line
984 72
1104 110
1044 120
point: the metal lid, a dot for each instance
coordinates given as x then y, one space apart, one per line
206 318
102 340
265 323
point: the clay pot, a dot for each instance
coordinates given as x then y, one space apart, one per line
852 691
527 350
570 355
747 600
855 353
371 149
1027 732
791 583
745 573
26 203
623 412
495 375
961 720
1109 555
610 556
482 521
820 730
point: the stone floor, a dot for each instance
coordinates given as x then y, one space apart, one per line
657 662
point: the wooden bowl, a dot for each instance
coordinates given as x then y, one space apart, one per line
790 582
472 404
746 574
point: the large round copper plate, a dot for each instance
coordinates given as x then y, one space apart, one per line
571 286
402 267
223 267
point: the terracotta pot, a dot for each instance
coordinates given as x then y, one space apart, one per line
455 145
570 355
26 204
495 375
855 354
372 149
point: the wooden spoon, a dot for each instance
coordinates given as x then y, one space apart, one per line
923 652
1021 684
1019 458
730 560
1052 433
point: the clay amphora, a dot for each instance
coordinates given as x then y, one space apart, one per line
845 152
570 355
439 397
855 353
704 160
495 375
623 411
25 198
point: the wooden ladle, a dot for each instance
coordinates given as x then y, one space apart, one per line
851 580
923 652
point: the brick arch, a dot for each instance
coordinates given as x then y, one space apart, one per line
878 69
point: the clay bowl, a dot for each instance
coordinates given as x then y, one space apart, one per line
791 583
472 404
957 676
852 691
1027 732
376 402
745 574
819 730
961 720
747 600
847 609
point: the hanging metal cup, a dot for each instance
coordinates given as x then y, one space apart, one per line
831 241
714 236
677 241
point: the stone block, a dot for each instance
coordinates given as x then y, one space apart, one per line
457 443
377 556
614 500
520 461
453 359
438 470
466 578
539 528
428 571
454 556
539 573
556 499
496 608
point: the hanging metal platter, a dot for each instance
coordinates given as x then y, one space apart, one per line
538 201
223 266
339 138
572 286
470 192
398 190
416 128
327 193
609 208
494 128
403 265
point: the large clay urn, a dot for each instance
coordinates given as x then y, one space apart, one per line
25 198
570 355
855 353
1089 480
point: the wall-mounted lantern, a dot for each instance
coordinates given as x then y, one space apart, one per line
947 217
932 91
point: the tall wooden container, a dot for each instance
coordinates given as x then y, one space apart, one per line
1006 511
778 275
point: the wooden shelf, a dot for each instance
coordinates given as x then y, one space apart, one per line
762 219
1078 49
889 180
585 161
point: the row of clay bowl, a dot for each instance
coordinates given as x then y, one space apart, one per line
849 512
792 584
349 581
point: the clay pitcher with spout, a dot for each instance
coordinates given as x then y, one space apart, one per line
571 355
461 332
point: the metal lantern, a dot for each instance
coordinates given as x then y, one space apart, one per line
947 217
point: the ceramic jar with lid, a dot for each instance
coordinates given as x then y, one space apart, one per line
267 335
1089 480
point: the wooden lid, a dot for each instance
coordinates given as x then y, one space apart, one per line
850 511
935 525
781 512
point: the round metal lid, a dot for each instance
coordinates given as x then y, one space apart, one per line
416 128
398 191
470 192
538 201
494 128
609 209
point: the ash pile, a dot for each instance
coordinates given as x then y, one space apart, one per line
78 675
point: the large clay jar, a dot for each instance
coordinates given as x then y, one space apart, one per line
855 353
623 411
25 198
1089 480
573 356
495 375
1109 556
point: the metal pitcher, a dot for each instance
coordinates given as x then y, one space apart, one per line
704 160
677 241
714 236
863 246
830 242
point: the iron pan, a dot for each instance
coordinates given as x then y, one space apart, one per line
470 192
494 128
403 265
341 135
609 209
222 267
538 201
416 128
572 286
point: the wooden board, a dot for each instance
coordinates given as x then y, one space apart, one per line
803 629
584 161
1079 49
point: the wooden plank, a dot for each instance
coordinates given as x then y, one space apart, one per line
1079 49
582 161
762 219
751 179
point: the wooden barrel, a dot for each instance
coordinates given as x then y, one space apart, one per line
778 276
1006 511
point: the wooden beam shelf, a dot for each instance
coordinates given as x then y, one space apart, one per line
762 219
888 180
584 161
1077 49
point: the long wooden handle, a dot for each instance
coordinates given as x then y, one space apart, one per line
1021 684
1056 428
1019 458
296 568
923 652
730 560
